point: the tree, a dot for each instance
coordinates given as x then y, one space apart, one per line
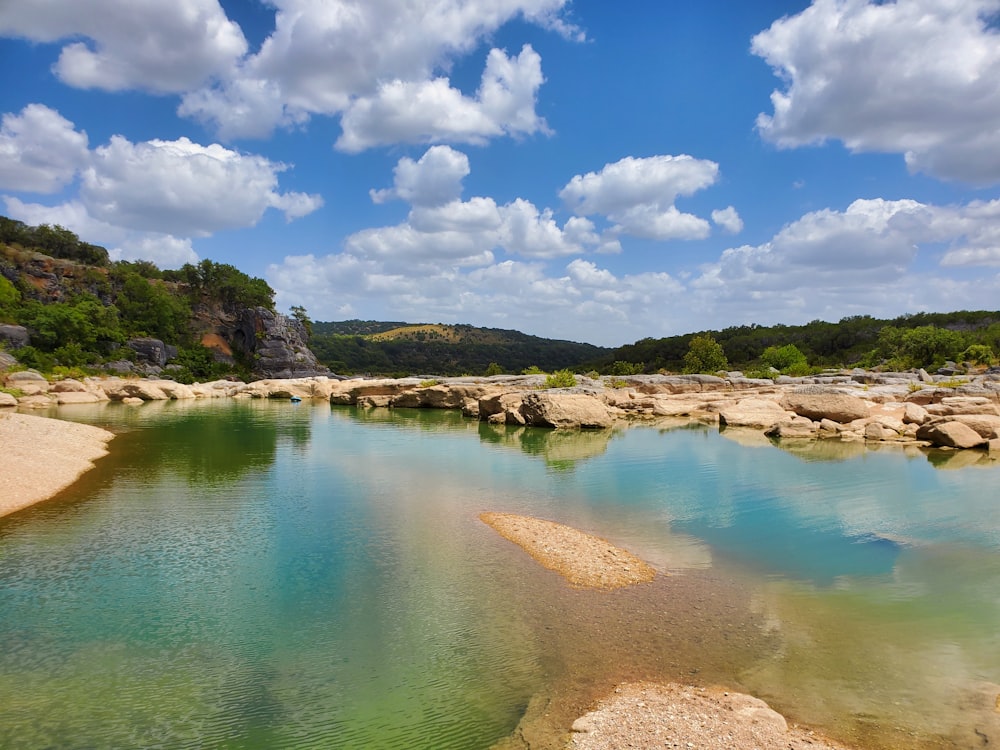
148 309
705 355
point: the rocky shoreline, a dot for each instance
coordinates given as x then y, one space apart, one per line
910 408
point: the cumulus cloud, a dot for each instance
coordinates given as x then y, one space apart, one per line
144 44
431 111
380 62
921 78
638 194
181 187
40 150
729 219
435 179
148 196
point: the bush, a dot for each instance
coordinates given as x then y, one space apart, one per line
979 354
533 370
705 355
560 379
620 367
784 358
494 369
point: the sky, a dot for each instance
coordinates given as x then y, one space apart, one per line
575 169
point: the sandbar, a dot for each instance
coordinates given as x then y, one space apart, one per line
40 457
584 560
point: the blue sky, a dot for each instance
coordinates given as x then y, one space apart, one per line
582 170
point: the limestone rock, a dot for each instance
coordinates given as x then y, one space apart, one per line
69 385
796 427
752 412
952 405
277 344
562 410
7 400
950 434
821 403
149 350
79 397
915 414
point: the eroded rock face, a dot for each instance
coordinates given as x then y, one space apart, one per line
14 337
277 344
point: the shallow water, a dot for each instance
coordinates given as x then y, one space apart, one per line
261 575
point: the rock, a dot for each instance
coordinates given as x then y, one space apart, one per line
994 447
915 414
277 344
7 400
877 431
14 336
752 412
821 403
133 401
6 360
148 350
79 397
952 405
796 427
69 385
563 410
950 434
17 379
147 390
984 424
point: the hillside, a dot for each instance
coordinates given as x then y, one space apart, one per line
424 348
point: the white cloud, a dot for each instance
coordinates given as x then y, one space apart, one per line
920 77
144 44
381 58
638 194
433 180
40 150
183 188
431 111
729 219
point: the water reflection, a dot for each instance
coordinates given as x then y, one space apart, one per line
560 449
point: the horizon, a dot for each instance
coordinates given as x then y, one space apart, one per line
560 168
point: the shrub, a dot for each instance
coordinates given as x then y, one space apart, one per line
533 370
494 369
560 379
621 367
979 354
705 354
784 358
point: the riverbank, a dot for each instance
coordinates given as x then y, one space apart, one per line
42 457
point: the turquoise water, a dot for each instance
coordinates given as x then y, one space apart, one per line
264 575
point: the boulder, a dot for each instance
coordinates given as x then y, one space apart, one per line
796 427
7 400
561 410
6 360
824 404
950 435
347 392
13 336
69 385
752 412
149 350
983 424
915 414
79 397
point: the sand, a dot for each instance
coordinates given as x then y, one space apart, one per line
41 456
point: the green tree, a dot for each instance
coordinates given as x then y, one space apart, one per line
147 308
10 298
705 355
494 369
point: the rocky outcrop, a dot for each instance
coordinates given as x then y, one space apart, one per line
276 343
152 351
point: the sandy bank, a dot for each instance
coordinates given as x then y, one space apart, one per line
41 456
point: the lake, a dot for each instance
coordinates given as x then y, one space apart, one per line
254 574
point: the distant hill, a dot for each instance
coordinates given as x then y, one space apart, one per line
397 348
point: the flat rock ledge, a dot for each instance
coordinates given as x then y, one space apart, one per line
651 715
586 561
